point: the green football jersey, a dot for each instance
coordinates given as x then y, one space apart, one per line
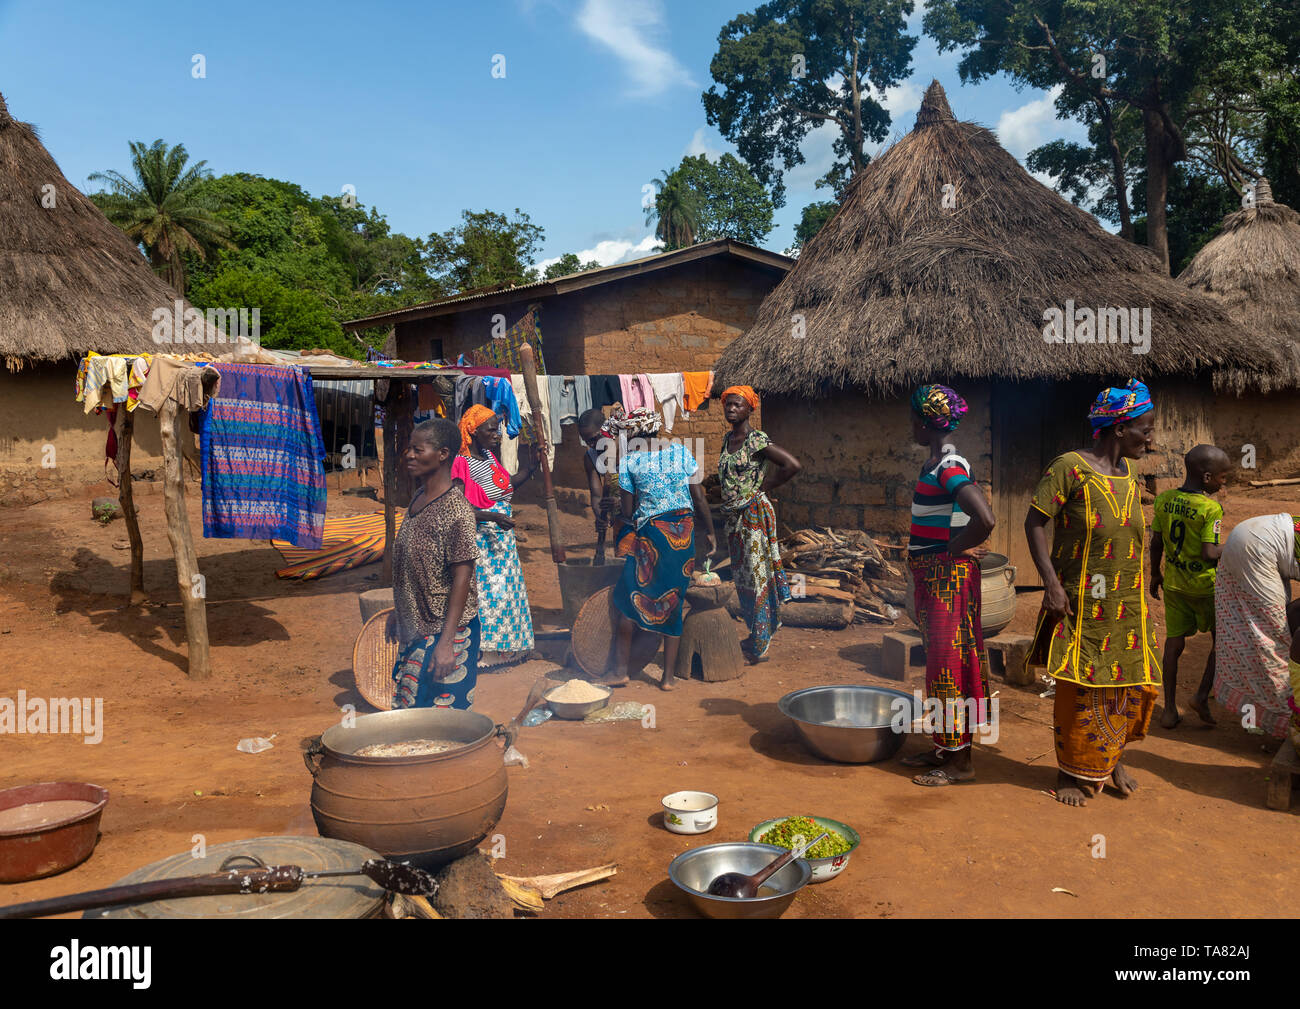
1185 521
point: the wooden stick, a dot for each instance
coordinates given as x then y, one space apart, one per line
1275 483
390 485
178 532
558 882
125 427
552 509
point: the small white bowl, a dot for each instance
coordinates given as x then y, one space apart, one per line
690 812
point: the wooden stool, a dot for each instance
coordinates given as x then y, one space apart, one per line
711 635
1282 776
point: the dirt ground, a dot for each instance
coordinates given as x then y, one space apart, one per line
1196 840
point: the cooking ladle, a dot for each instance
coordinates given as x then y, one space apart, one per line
737 884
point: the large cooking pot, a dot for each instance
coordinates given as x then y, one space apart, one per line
429 809
997 594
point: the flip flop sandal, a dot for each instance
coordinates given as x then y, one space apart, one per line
939 778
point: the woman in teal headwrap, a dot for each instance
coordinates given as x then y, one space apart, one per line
1094 632
950 519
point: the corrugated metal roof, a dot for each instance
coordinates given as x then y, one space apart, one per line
574 281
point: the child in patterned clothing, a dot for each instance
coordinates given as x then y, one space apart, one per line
1186 534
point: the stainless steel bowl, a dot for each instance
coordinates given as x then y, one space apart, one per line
693 871
574 710
874 712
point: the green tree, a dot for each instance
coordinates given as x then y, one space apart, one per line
728 201
794 65
1198 202
568 264
290 319
162 208
813 219
675 213
485 249
1176 64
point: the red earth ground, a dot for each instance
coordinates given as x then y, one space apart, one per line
1196 839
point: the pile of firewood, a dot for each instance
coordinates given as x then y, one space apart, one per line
848 565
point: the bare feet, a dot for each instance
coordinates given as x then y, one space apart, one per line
1201 705
1124 782
1171 717
1072 791
667 682
614 679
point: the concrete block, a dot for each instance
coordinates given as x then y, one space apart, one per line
1282 776
898 651
1007 654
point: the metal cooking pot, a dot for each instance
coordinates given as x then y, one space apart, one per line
428 809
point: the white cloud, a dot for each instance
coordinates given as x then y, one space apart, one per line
609 252
633 31
700 145
1021 130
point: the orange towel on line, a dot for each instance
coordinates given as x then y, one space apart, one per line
697 385
348 543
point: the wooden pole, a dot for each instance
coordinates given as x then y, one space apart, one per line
390 484
125 427
178 532
552 509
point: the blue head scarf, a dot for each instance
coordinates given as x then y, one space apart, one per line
1117 406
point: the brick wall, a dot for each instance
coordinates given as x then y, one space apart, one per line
676 319
859 462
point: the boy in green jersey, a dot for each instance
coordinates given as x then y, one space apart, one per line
1185 533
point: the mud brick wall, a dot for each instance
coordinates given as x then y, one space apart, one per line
859 462
1269 422
676 319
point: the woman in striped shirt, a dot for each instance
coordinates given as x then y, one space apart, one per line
507 624
950 519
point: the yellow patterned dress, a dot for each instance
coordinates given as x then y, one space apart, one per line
1103 656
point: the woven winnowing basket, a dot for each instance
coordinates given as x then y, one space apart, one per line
594 634
373 657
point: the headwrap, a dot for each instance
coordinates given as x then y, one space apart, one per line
640 421
1115 406
744 392
940 407
471 420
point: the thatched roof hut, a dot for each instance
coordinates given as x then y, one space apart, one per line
946 262
69 280
902 286
1253 266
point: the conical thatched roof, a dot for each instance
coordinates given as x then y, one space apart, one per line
69 280
1253 266
897 289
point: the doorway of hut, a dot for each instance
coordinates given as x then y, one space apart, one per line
1031 424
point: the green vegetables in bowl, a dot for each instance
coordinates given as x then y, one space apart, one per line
784 833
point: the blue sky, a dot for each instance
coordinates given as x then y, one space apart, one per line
399 100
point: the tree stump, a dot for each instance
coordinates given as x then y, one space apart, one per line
711 635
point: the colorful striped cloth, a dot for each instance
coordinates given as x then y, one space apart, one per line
348 543
936 515
263 457
503 351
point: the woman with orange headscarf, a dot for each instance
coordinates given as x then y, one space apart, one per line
504 617
749 466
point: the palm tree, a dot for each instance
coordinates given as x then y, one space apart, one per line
160 209
675 210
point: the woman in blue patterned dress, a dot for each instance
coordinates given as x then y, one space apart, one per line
507 625
660 497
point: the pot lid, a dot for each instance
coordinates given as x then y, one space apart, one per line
340 897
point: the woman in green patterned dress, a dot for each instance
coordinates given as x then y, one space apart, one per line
749 466
1094 633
